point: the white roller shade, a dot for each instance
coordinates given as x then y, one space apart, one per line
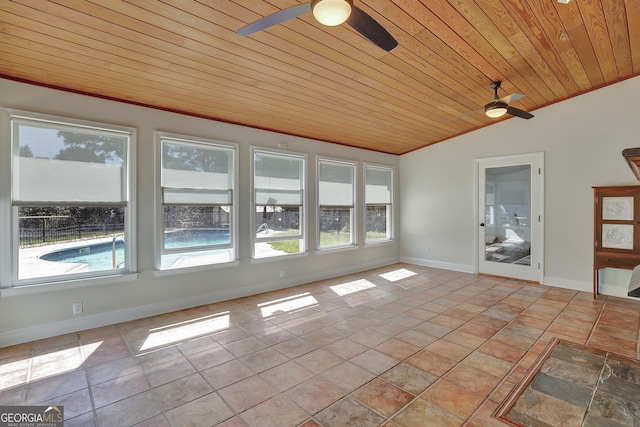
171 196
64 164
196 174
280 197
336 184
48 180
278 180
378 185
172 178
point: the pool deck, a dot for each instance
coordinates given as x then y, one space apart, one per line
34 266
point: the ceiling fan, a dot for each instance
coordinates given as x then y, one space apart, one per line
329 13
498 107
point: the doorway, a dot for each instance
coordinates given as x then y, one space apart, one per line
510 225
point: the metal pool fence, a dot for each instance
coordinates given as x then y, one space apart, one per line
51 229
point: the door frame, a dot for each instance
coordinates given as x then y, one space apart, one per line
536 160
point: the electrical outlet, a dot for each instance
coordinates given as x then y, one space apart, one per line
427 250
281 273
77 308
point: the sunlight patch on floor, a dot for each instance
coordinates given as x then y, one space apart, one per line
177 332
53 363
287 304
394 276
352 287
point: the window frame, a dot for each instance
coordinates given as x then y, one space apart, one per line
353 222
232 246
63 281
390 226
302 235
6 261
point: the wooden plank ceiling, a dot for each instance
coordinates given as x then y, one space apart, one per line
326 83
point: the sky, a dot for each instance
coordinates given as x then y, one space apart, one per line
43 142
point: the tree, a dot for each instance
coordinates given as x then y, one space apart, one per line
184 157
25 151
86 147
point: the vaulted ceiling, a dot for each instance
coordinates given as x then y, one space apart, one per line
326 83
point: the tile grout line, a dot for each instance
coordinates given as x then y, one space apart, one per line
595 388
600 314
94 411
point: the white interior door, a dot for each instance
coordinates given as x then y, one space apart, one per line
510 221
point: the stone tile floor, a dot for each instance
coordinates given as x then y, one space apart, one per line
577 386
399 346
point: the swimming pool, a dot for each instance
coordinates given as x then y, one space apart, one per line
199 237
100 256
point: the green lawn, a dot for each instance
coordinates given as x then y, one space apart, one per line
326 239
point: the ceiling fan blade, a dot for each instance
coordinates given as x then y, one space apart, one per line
275 19
463 115
510 98
370 29
519 113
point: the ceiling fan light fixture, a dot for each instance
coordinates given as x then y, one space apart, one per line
331 12
495 110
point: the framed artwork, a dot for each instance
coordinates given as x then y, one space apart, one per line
617 208
618 236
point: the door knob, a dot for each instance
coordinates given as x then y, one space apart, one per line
482 224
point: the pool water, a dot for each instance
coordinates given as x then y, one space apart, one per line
100 256
203 237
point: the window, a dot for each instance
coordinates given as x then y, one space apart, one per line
278 183
378 201
336 203
197 183
72 213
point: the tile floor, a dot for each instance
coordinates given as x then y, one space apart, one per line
577 386
400 346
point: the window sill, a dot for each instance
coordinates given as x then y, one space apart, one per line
195 268
278 257
335 249
378 242
18 291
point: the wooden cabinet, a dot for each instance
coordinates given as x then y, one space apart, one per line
617 229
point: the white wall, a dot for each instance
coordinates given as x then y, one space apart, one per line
582 139
44 314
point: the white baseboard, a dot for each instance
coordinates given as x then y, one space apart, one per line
576 285
614 291
608 289
462 268
32 333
